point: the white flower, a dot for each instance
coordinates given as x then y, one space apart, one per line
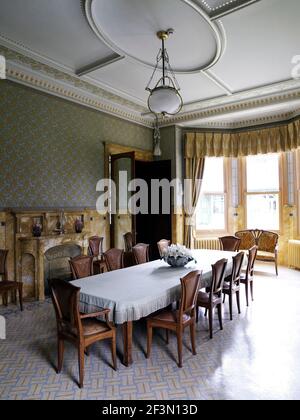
177 251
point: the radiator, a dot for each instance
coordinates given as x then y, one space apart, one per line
294 254
207 243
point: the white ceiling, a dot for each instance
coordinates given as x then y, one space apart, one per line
253 46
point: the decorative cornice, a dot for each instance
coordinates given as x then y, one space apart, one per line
24 70
289 91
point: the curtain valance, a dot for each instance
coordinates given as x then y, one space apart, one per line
269 140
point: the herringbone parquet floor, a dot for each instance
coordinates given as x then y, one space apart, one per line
255 357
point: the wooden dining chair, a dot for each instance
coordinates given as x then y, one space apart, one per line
114 259
177 321
163 246
230 243
248 278
213 298
231 285
82 330
141 253
129 241
81 267
7 286
95 250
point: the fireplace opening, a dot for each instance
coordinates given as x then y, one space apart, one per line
56 263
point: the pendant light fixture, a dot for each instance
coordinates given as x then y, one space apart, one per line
164 98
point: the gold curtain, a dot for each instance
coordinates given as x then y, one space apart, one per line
269 140
194 170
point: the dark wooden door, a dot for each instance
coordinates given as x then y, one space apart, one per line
151 228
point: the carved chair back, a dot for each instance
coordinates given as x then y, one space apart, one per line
189 291
95 246
81 267
230 243
163 246
114 259
141 253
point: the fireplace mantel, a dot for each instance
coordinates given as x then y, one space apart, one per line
26 252
30 253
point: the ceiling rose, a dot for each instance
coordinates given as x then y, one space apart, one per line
127 27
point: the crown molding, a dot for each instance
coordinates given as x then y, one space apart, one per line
39 76
45 62
283 92
247 122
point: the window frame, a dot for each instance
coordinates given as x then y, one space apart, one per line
212 233
279 192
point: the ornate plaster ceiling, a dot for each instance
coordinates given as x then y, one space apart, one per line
230 56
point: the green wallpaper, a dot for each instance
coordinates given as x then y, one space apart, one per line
51 150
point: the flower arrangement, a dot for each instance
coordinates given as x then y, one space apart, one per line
178 255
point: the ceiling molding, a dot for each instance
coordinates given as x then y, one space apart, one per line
98 65
231 105
38 76
27 54
216 27
253 122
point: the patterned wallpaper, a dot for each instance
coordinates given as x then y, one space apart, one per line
51 150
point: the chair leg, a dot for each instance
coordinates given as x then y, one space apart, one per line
167 336
149 340
60 353
197 314
193 337
179 344
276 265
220 315
211 321
21 295
114 351
224 300
230 307
206 310
81 365
247 292
5 299
251 289
238 302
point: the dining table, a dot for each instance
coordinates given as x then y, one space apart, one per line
136 292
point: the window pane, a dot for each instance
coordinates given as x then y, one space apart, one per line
263 173
213 178
263 211
211 212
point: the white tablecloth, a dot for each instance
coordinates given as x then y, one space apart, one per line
136 292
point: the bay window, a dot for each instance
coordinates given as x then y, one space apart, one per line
211 212
263 192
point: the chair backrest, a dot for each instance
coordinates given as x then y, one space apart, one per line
163 246
267 241
230 243
218 276
129 242
3 266
95 246
81 267
141 253
189 291
65 298
237 265
248 239
114 259
251 261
